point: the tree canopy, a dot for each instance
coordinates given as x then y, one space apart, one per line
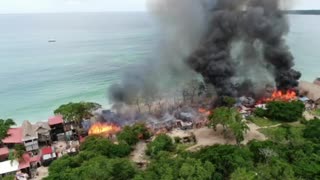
105 147
230 119
312 131
5 125
282 111
132 134
166 167
162 142
76 112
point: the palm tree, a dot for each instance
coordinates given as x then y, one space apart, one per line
17 153
5 126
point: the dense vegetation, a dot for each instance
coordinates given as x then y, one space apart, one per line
292 152
282 111
99 159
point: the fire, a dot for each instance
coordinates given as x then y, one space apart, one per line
281 96
204 111
104 129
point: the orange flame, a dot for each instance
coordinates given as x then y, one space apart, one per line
281 96
104 129
204 111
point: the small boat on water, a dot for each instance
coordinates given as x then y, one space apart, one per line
52 41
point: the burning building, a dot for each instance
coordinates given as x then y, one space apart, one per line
244 50
104 129
236 46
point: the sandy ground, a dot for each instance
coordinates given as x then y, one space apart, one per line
308 116
208 137
43 172
179 133
139 155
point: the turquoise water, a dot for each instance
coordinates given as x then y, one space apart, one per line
90 52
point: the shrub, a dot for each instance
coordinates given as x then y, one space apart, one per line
162 142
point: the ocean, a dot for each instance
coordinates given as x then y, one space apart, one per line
90 52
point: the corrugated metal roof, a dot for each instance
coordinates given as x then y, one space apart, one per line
8 166
4 151
15 136
55 120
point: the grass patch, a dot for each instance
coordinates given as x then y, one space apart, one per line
263 122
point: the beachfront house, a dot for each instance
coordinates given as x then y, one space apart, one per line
43 130
11 167
14 137
29 136
57 128
47 155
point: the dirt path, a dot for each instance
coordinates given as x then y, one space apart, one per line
208 137
43 172
139 155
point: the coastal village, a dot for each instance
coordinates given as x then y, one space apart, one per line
44 142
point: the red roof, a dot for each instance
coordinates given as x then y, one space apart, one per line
25 162
14 136
46 150
4 151
55 120
35 159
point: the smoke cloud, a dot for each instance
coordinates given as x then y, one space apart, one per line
181 25
244 50
237 46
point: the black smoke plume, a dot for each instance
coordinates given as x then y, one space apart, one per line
244 49
237 46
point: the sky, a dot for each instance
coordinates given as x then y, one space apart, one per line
43 6
40 6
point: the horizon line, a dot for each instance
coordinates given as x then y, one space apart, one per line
75 12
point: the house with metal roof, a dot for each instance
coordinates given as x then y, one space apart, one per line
29 136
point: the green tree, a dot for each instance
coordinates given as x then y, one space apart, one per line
129 136
19 150
230 119
166 167
282 111
132 134
229 101
5 125
76 112
226 158
102 168
162 142
276 169
243 174
105 147
312 131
